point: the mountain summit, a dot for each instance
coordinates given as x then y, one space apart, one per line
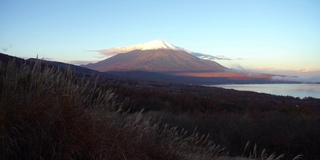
151 45
153 56
156 44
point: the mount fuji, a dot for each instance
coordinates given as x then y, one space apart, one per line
162 59
153 56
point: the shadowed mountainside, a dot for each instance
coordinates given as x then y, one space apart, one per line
192 78
5 59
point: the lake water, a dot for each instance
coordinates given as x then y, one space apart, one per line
295 90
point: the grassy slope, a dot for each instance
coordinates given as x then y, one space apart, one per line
50 114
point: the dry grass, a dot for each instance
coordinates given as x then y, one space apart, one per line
47 113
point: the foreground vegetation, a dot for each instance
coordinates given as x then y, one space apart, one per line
47 113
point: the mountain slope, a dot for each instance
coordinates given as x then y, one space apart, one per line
155 60
5 59
160 60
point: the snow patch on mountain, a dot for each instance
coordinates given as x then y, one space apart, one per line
152 45
157 44
209 57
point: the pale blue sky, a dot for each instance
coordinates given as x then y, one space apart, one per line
270 34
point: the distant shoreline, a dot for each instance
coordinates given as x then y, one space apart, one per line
301 90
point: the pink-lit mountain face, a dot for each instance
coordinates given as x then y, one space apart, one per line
148 60
154 56
159 60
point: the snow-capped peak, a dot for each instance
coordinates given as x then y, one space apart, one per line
156 44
